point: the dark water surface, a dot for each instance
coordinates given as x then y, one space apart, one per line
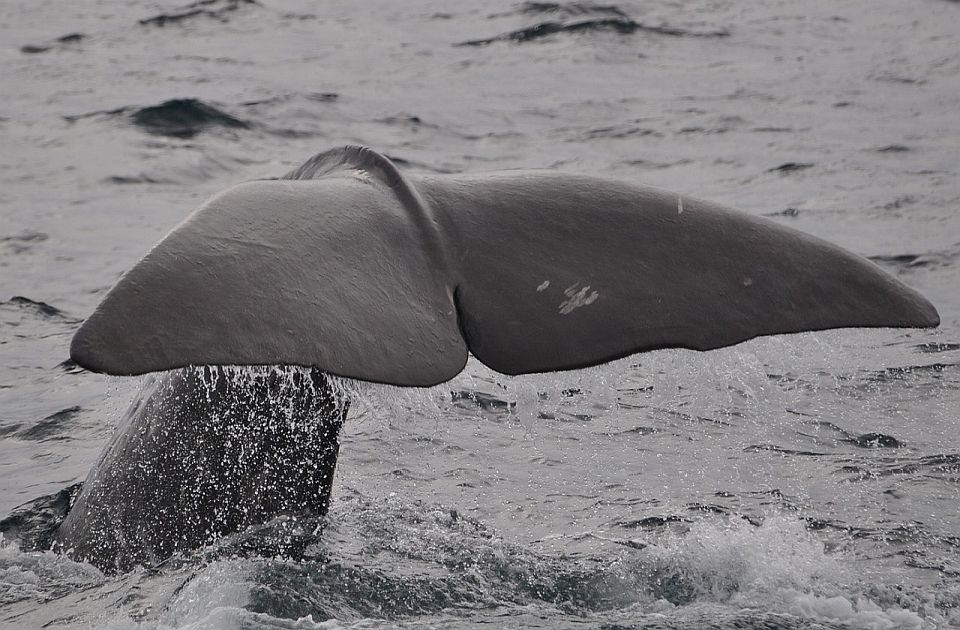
792 482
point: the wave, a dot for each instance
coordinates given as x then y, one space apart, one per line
183 118
37 308
622 26
216 9
387 562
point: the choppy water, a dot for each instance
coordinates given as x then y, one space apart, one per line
788 482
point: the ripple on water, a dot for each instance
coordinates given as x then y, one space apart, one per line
20 305
181 118
219 10
621 26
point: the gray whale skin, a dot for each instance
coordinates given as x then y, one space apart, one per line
347 267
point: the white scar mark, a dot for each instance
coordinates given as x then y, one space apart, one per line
361 174
577 298
543 286
679 204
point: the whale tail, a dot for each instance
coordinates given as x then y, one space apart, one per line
350 267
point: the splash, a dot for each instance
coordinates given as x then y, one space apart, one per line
40 577
778 567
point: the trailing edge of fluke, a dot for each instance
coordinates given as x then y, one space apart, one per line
348 266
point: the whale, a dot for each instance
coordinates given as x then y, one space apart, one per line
247 315
204 452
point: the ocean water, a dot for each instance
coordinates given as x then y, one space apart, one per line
791 482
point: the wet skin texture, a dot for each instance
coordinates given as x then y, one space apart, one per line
204 452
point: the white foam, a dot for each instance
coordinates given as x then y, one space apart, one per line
40 575
222 586
862 613
778 567
231 618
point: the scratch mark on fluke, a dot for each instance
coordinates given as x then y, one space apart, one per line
577 298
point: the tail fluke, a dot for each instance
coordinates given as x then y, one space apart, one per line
328 272
558 271
354 269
